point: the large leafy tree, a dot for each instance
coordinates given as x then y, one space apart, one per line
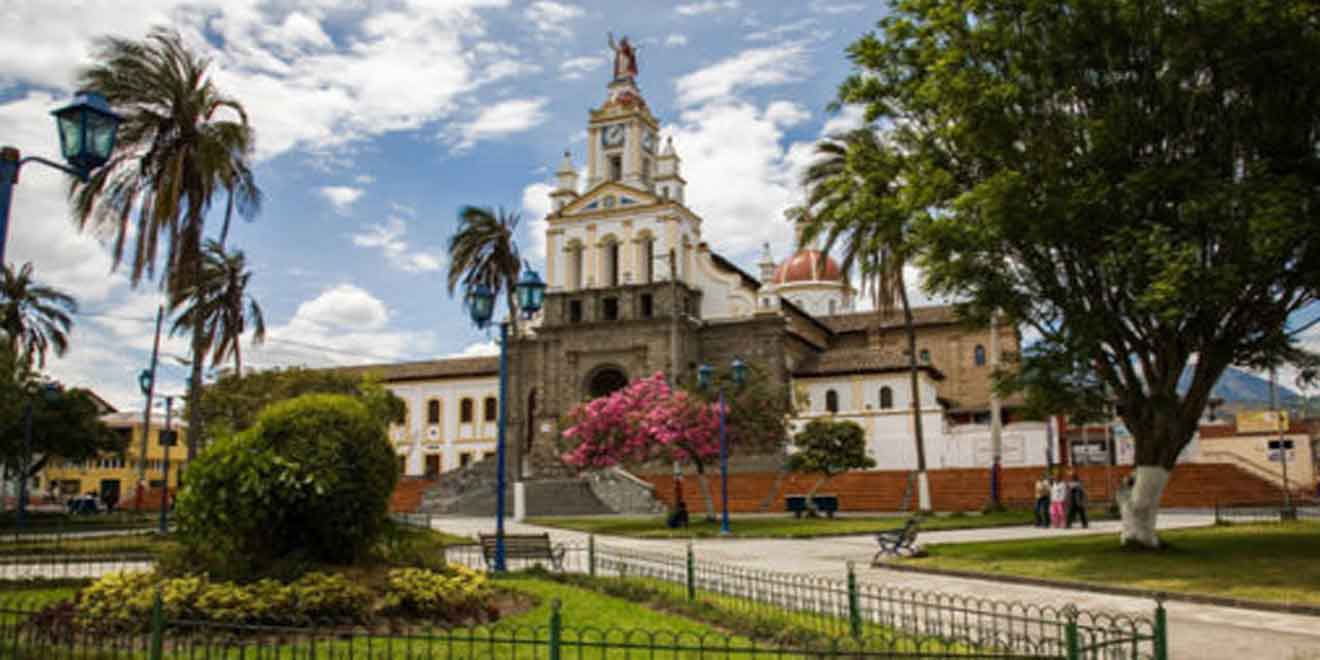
65 423
857 201
182 141
1136 180
34 317
483 251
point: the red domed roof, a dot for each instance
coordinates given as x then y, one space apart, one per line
805 266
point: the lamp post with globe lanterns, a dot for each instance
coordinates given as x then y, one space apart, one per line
705 375
87 129
530 292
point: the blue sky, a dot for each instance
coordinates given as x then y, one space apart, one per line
377 120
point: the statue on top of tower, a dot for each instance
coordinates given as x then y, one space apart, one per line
625 58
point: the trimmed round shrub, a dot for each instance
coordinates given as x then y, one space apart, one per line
310 481
456 595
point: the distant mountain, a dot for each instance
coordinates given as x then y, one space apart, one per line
1238 386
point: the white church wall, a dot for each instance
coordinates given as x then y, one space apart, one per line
722 295
416 438
816 298
969 445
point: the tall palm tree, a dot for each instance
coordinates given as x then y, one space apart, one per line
483 251
854 201
181 142
34 317
218 302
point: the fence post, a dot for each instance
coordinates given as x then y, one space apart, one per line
591 555
556 629
691 574
854 605
157 628
1070 634
1161 629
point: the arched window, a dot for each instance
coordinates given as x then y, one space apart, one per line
925 356
979 355
575 265
605 381
886 398
492 409
432 412
611 262
832 401
648 259
465 411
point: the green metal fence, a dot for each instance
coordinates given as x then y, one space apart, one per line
31 633
847 607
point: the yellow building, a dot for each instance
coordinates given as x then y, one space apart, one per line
116 475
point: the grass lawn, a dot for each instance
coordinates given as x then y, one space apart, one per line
653 527
1269 562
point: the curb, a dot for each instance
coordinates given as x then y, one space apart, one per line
1200 599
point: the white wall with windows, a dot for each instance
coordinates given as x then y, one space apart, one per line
450 422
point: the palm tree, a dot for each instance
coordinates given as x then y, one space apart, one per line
483 251
34 318
218 302
853 200
181 142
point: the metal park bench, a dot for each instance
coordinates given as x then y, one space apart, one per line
797 504
898 542
523 546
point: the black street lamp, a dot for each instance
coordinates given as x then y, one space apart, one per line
480 300
87 129
51 393
705 375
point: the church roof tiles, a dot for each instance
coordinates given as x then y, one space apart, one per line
428 369
862 321
856 361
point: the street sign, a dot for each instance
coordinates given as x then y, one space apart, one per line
1263 421
169 438
1276 453
144 381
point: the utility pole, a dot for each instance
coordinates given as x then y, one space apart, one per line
148 384
167 440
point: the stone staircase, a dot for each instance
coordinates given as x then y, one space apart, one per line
471 491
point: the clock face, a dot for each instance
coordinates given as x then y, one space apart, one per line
612 136
648 141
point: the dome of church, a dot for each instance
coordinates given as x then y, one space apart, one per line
806 266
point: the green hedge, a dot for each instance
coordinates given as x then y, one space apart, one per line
312 479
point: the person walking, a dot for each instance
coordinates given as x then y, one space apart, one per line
1058 502
1077 501
1043 501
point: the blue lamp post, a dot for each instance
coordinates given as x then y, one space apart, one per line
51 393
87 130
705 374
530 292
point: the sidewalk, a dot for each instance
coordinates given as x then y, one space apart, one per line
1195 631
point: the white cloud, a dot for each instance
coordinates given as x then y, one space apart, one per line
676 40
572 69
551 18
536 205
757 67
706 7
341 197
389 238
343 324
823 7
478 349
344 306
778 32
851 117
496 121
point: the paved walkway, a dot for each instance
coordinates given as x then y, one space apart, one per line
1195 631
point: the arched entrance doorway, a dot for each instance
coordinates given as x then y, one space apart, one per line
605 380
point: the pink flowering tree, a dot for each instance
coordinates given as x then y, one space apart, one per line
647 420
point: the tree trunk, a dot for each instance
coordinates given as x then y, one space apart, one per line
238 357
923 485
195 388
1139 504
705 491
774 490
811 494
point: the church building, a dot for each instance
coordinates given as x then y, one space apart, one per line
635 288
